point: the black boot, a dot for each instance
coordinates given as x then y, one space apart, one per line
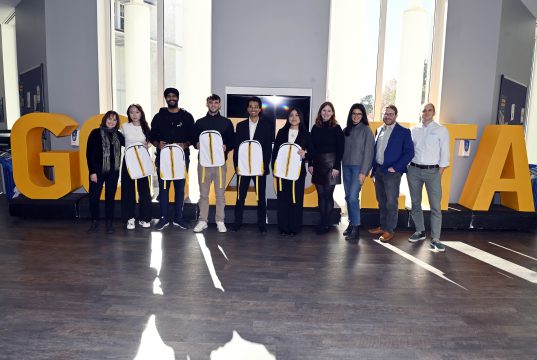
348 230
109 227
93 227
353 235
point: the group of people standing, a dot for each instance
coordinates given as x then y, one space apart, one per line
328 152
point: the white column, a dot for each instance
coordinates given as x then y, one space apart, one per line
531 117
11 80
414 30
137 55
196 70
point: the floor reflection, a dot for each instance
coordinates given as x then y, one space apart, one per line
156 260
209 261
151 345
240 349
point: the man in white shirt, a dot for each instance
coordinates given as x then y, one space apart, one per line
431 157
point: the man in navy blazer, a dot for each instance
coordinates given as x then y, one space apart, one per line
253 128
393 152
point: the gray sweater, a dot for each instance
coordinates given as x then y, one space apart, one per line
359 148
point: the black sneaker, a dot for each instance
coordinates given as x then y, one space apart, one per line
348 230
181 223
162 223
353 235
417 236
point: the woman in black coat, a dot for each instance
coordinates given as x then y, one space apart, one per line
325 165
103 155
290 207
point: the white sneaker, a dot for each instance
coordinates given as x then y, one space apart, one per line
144 224
221 226
130 224
200 226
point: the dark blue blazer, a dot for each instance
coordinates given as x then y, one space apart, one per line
399 150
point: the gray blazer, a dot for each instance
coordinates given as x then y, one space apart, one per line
359 148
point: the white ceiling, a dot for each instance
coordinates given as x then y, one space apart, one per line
532 6
6 8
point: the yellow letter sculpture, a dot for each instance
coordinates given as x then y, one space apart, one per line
500 164
29 159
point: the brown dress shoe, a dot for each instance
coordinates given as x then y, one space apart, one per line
376 230
386 236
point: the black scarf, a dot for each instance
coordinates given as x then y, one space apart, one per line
106 148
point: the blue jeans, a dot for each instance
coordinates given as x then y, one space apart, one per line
352 187
179 187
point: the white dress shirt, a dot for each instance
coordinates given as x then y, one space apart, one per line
431 144
252 125
385 131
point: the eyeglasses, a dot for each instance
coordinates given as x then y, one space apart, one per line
357 114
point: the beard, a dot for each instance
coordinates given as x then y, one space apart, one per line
172 104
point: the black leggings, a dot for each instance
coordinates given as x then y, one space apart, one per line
325 194
110 181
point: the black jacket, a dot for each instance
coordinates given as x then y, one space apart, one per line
303 139
264 133
172 128
94 151
217 123
328 139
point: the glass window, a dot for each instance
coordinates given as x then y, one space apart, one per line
353 50
401 31
407 56
135 55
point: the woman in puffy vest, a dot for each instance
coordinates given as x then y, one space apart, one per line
103 155
291 192
136 131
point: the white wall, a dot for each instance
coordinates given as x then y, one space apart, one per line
276 43
484 39
72 62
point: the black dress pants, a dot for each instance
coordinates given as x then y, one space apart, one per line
128 196
109 179
289 213
261 202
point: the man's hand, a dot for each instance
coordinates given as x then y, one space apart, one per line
310 170
93 177
361 178
391 169
161 144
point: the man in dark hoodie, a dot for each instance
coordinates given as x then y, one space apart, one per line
172 125
213 121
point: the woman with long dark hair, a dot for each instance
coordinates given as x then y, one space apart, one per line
325 165
103 155
357 158
136 131
291 192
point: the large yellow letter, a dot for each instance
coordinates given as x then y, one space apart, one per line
29 159
500 164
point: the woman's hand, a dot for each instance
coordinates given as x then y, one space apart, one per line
334 173
310 170
302 153
93 177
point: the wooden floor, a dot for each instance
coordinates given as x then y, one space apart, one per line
65 294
